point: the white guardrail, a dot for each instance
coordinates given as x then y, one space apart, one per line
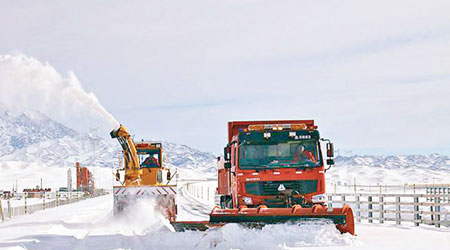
431 206
11 208
204 190
430 209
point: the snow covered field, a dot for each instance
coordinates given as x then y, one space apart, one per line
29 174
90 224
36 146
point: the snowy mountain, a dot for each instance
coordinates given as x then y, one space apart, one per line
432 162
33 137
35 146
188 158
21 129
390 170
65 151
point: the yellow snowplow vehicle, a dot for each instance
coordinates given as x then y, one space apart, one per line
143 175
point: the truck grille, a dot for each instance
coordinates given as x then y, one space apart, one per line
264 188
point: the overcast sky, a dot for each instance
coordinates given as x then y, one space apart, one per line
375 75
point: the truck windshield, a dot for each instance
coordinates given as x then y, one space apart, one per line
303 153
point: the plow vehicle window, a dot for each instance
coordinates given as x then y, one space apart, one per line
287 154
149 160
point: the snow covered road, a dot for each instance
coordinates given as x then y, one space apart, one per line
89 224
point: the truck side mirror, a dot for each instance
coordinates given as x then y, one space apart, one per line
227 157
330 153
226 154
159 176
330 150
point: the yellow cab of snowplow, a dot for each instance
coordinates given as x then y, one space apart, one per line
151 162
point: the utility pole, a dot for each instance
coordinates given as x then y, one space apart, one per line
93 134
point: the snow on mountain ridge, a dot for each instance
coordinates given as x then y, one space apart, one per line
20 129
65 151
33 137
189 158
390 170
99 152
432 162
30 136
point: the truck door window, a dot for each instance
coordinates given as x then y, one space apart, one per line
150 160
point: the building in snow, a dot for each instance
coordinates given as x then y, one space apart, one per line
85 180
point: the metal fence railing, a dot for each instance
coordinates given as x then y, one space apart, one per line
429 205
201 191
336 187
7 211
431 209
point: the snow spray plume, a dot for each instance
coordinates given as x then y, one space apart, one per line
26 83
142 217
277 236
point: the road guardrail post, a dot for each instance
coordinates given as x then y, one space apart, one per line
416 211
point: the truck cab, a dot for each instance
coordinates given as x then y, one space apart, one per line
151 163
273 163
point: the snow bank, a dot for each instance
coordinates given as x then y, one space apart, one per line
280 236
145 221
89 224
152 230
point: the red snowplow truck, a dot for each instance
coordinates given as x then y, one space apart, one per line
274 172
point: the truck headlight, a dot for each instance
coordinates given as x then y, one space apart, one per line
248 200
318 198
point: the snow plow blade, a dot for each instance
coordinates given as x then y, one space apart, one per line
258 217
341 217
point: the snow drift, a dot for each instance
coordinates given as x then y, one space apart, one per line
90 225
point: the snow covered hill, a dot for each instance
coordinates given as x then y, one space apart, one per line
390 170
32 143
19 129
31 137
189 159
429 162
